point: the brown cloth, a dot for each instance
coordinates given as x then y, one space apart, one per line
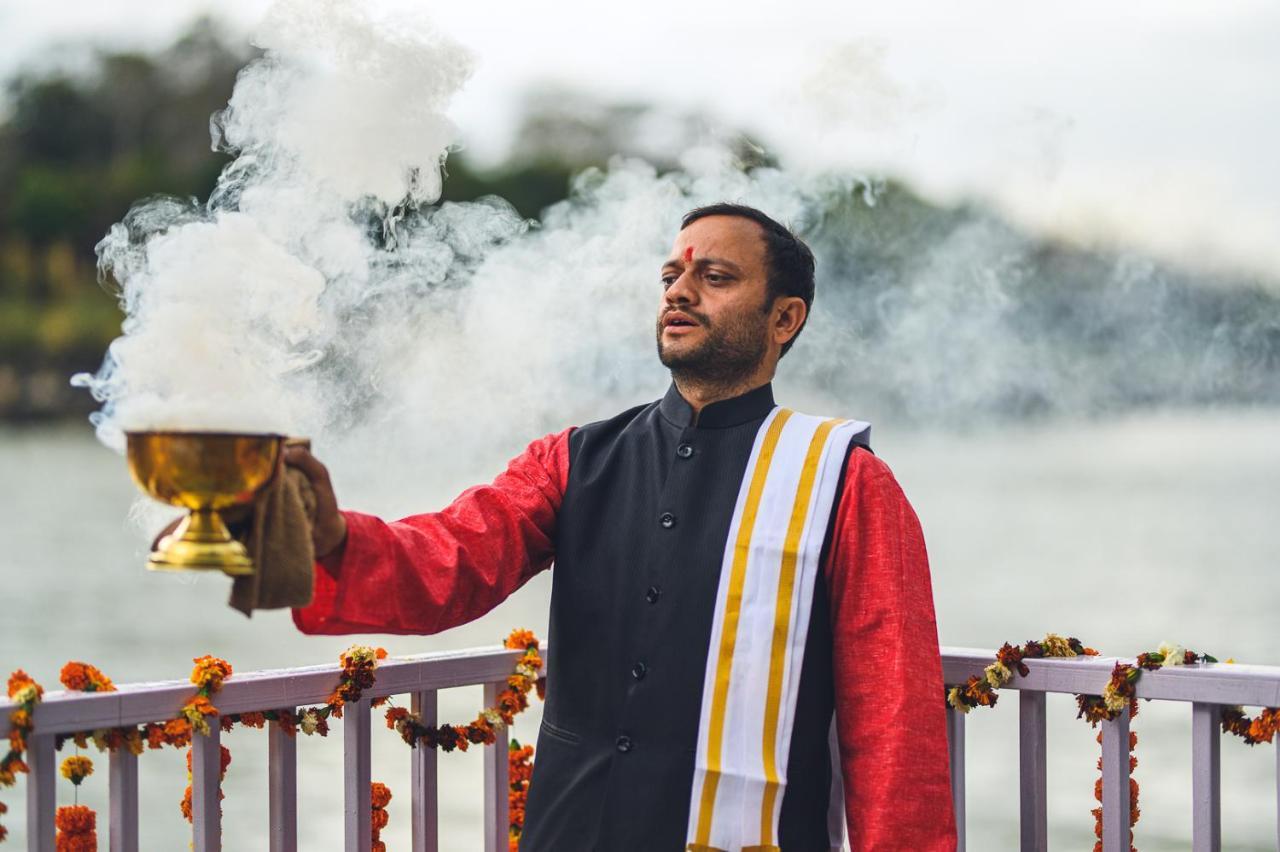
278 539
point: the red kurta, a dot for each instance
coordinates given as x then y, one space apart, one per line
430 572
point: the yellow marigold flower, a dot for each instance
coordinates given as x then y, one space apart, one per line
76 768
1057 646
997 674
1114 701
953 698
358 654
26 694
309 722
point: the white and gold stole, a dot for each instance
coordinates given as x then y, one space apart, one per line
771 562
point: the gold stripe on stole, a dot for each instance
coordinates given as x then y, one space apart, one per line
782 624
729 627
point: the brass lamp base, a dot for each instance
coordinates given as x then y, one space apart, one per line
201 543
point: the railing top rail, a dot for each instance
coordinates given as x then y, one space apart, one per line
67 712
1214 683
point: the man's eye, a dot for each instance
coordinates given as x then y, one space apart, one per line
716 278
668 280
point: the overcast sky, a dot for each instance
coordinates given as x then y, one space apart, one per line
1150 123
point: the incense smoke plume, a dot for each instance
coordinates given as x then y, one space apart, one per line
321 291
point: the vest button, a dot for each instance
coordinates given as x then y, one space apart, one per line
652 595
684 451
667 520
638 671
624 744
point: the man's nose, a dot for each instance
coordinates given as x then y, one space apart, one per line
683 289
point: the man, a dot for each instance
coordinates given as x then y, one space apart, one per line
743 652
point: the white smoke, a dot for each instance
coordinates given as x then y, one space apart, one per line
337 127
321 292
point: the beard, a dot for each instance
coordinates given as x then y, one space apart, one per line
730 350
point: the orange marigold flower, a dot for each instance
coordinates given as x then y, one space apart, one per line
83 677
380 819
521 639
22 688
380 794
253 719
380 653
75 819
210 672
396 715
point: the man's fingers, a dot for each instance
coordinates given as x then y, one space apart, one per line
301 458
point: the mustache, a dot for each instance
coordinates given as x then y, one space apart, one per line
699 318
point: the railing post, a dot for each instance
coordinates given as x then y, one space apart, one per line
1206 785
497 787
123 791
206 785
282 805
955 749
1115 783
425 781
42 796
1033 776
357 797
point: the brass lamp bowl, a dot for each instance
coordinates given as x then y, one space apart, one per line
204 472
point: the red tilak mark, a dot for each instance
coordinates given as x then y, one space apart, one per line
688 255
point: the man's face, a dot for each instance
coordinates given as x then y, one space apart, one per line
713 324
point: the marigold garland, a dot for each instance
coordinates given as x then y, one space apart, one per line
483 729
224 760
981 691
26 693
381 796
77 829
1120 692
358 666
1134 811
519 771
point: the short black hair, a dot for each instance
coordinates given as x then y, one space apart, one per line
790 260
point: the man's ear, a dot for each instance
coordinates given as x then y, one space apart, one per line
789 313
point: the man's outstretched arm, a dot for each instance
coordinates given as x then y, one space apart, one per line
427 573
890 717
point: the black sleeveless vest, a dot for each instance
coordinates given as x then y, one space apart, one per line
639 544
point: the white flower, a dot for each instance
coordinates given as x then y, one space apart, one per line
1173 654
493 717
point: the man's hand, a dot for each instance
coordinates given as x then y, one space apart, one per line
328 527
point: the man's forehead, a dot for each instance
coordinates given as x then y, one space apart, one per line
720 235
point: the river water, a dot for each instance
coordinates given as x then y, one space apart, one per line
1123 532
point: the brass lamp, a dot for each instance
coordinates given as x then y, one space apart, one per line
204 472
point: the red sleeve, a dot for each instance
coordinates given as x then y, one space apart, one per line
427 573
890 717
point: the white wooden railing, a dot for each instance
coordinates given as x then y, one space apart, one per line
419 676
1206 688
